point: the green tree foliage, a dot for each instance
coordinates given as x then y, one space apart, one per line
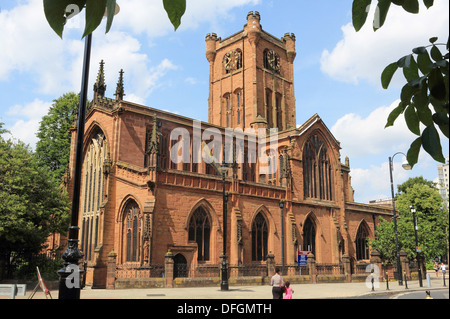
53 147
432 224
402 188
31 205
57 12
2 130
425 96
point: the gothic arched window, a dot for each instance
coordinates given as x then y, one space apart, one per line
239 108
317 171
132 226
362 248
228 109
200 233
260 234
92 191
309 236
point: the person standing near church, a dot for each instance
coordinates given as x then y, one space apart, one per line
443 268
277 285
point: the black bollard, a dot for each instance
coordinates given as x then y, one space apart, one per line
387 281
406 281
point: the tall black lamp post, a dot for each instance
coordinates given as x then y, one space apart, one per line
70 275
406 166
282 236
224 282
416 228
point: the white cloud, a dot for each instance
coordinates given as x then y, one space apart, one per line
27 119
372 138
191 80
55 65
150 18
365 140
363 55
374 182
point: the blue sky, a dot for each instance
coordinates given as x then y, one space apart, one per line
336 70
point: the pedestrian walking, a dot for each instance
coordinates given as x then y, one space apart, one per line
277 285
436 268
443 269
288 290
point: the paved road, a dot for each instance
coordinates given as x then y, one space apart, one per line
435 294
406 294
301 291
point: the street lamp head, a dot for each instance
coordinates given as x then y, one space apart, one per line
116 10
406 166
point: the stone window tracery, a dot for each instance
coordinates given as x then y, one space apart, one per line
317 170
200 233
93 192
362 248
260 233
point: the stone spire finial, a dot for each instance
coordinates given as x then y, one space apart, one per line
119 89
100 86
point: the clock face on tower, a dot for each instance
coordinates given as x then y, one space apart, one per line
272 60
231 60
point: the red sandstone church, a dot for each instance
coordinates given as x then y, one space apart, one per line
139 203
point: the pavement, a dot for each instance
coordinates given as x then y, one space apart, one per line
301 291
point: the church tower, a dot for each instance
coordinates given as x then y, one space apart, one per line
251 78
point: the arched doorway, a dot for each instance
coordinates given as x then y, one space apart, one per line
180 269
309 236
362 247
260 234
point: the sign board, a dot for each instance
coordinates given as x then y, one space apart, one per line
302 258
42 285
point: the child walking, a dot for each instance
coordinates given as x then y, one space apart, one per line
288 290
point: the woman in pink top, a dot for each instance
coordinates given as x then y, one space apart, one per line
288 290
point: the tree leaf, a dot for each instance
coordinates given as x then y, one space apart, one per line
441 119
404 61
418 83
412 120
413 153
111 8
388 73
394 115
420 50
175 10
428 3
421 103
360 10
437 84
95 10
424 62
407 93
433 39
411 70
436 54
381 13
55 14
411 6
432 144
